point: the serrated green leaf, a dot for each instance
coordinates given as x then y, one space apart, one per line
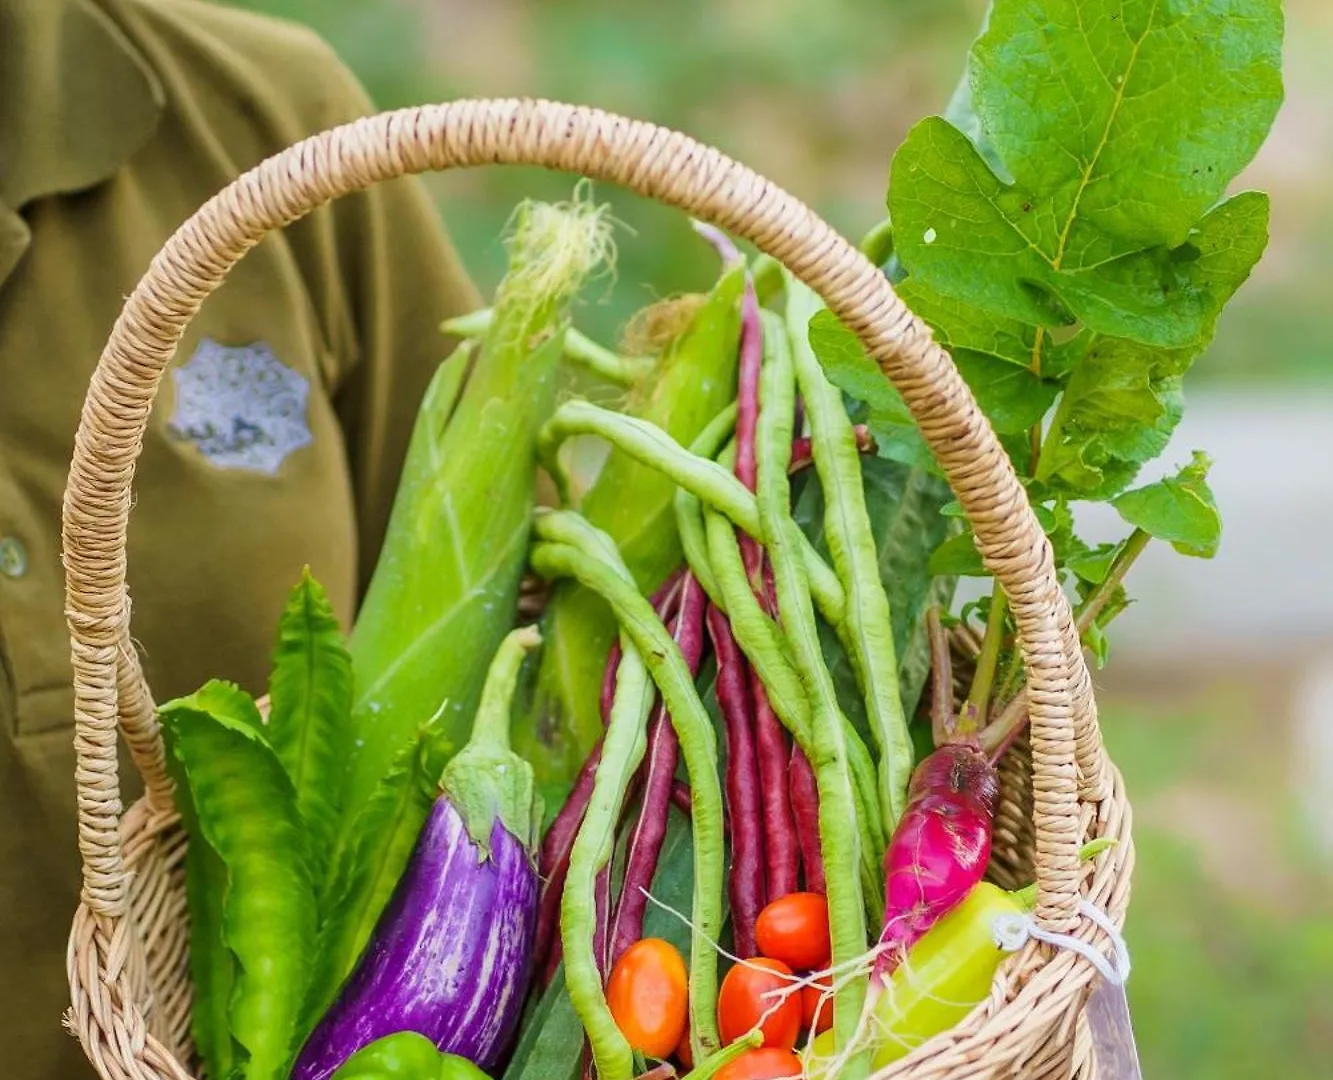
958 556
1091 564
310 694
1179 509
959 324
245 808
368 866
964 233
1012 397
1108 129
1119 408
1128 117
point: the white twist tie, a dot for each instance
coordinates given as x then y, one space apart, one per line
1013 931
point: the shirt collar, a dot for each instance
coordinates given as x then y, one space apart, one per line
77 99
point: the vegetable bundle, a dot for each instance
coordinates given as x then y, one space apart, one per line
741 697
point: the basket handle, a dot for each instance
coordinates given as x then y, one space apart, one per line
654 162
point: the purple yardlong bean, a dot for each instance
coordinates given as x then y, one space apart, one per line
805 810
782 853
645 845
747 890
553 864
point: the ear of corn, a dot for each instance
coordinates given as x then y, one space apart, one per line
694 379
444 590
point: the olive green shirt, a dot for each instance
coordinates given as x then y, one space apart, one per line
277 438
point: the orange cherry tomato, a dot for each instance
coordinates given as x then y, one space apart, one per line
648 995
794 929
748 994
764 1063
683 1052
813 1001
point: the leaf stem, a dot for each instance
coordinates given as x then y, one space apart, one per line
983 679
1098 598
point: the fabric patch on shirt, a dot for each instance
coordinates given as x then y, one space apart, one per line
241 406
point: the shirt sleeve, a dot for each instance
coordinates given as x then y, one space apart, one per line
392 277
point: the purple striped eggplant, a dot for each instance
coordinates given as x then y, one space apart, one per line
451 956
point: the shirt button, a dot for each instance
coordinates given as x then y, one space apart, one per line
13 559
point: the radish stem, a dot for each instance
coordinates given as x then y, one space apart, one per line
983 678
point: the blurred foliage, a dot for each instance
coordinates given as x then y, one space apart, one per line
1229 925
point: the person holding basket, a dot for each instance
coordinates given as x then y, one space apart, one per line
284 420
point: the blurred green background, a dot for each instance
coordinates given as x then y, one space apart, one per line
1214 703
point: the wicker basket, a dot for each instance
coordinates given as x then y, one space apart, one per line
128 948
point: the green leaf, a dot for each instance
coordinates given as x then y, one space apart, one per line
1012 397
369 864
310 693
551 1042
1179 509
212 964
958 556
1092 564
960 325
1119 408
963 233
245 808
1128 118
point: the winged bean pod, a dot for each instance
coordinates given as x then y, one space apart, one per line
245 806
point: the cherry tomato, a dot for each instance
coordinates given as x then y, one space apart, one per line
747 995
794 929
764 1063
648 995
812 1001
683 1052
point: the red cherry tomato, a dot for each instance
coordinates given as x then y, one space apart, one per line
765 1063
813 1001
794 929
648 995
749 994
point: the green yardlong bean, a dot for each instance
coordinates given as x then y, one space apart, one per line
622 750
689 510
569 549
851 545
704 478
841 843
